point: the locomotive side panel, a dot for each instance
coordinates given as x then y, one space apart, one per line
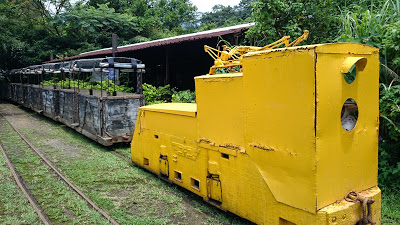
220 110
165 143
279 88
347 159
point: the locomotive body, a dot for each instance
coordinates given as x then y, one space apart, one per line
268 144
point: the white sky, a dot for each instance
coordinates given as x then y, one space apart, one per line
206 5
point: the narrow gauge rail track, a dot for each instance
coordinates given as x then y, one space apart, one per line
121 156
24 189
55 170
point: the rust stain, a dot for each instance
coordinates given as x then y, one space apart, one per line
208 141
262 147
230 145
126 138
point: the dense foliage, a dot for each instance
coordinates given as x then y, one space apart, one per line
162 94
31 30
389 139
222 16
154 95
377 24
107 85
278 18
185 96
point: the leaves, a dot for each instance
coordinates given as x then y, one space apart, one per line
389 132
186 96
278 18
222 16
106 85
31 30
163 94
154 95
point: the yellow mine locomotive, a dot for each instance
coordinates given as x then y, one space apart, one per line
288 140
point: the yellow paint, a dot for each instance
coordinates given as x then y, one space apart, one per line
360 63
232 57
268 144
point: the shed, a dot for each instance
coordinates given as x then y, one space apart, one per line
174 60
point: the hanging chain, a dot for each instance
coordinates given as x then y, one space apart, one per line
353 196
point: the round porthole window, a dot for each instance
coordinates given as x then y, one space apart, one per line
349 114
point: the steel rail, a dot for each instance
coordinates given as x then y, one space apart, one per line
24 189
73 187
119 155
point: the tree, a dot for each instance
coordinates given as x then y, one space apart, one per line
32 29
222 16
278 18
88 24
28 33
171 14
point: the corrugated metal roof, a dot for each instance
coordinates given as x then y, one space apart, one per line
164 41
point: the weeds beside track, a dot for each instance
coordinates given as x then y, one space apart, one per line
55 170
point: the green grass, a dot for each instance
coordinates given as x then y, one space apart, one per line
59 202
102 175
123 149
130 194
390 207
14 207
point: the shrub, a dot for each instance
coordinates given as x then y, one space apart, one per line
186 96
108 85
389 144
154 95
162 94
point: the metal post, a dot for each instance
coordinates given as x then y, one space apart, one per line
62 75
62 72
139 81
101 82
80 71
114 39
115 74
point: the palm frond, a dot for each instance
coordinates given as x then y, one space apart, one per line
390 72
